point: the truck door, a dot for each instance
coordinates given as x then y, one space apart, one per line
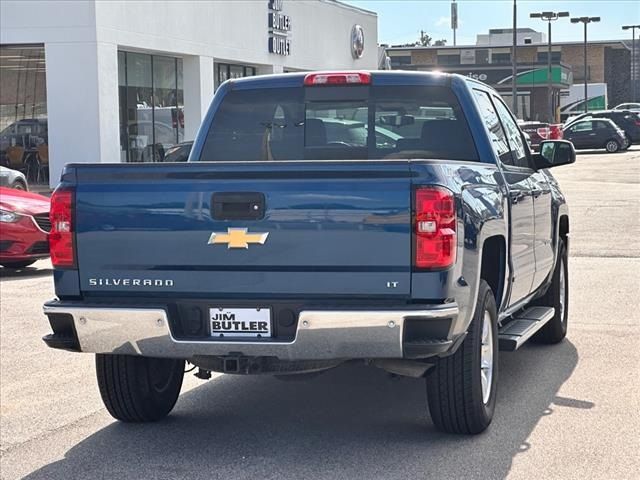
543 227
509 147
538 195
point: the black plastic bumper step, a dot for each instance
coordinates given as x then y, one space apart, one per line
62 342
422 348
522 327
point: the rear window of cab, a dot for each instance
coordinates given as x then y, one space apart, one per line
339 123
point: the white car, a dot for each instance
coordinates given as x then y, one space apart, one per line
13 179
632 107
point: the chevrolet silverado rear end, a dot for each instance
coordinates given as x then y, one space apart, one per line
322 218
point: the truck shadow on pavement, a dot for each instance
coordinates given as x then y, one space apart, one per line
8 274
350 423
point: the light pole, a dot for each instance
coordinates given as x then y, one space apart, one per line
550 17
514 62
586 21
633 56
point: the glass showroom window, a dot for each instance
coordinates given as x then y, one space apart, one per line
24 142
151 105
225 71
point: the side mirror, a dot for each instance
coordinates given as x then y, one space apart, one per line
554 153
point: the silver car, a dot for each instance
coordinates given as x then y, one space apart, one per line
13 179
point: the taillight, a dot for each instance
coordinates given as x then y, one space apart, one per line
555 132
338 78
61 238
543 132
434 228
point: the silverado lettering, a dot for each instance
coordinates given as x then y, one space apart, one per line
135 282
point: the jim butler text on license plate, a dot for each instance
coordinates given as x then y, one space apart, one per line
240 322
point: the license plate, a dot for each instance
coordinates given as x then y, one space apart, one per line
240 322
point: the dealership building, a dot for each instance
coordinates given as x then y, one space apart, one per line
116 81
490 60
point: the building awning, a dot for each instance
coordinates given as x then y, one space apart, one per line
561 77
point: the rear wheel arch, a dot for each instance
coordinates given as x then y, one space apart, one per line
19 184
493 265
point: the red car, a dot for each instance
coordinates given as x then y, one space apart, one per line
539 131
24 225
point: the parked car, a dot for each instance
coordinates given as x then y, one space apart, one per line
13 179
596 133
24 225
141 135
178 153
633 107
627 120
540 131
281 250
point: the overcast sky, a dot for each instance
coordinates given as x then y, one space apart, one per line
400 21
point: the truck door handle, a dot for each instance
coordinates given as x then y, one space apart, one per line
515 196
237 206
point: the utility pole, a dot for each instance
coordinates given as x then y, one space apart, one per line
585 21
634 80
550 17
454 20
514 63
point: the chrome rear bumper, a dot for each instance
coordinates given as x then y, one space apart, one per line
320 334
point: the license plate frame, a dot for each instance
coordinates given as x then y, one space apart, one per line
240 322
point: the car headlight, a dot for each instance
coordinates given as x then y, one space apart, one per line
171 150
9 217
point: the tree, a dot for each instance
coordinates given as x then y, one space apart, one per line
425 39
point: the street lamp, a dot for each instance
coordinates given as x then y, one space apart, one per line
633 56
586 21
550 17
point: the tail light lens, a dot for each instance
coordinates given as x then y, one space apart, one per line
555 132
61 236
435 228
543 132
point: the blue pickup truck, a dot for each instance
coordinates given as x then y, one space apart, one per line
393 218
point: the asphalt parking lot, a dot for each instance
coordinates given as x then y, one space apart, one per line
569 411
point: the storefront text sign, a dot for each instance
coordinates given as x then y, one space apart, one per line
279 28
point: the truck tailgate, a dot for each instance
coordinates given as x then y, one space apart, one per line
324 228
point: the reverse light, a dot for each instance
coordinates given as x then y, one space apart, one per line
435 228
61 236
338 78
544 132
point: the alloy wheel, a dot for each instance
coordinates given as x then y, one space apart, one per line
486 357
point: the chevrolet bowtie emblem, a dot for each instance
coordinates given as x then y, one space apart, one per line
237 238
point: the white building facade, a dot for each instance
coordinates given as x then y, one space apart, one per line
115 81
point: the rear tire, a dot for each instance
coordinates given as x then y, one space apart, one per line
457 400
612 146
138 389
557 296
18 265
